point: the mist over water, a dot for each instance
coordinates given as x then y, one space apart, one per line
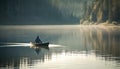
71 46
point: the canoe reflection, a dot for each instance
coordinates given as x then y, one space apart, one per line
38 49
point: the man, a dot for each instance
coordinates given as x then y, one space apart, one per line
37 40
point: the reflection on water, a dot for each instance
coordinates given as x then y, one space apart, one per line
106 44
105 41
14 56
38 49
82 47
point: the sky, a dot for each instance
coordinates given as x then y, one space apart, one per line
41 12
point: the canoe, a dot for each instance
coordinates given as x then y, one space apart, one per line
39 44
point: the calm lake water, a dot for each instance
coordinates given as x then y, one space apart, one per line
78 47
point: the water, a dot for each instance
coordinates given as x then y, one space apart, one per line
78 47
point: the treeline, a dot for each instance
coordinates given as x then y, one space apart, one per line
102 11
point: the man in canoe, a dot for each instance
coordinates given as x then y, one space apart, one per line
37 40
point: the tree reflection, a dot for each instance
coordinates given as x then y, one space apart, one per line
16 56
104 40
